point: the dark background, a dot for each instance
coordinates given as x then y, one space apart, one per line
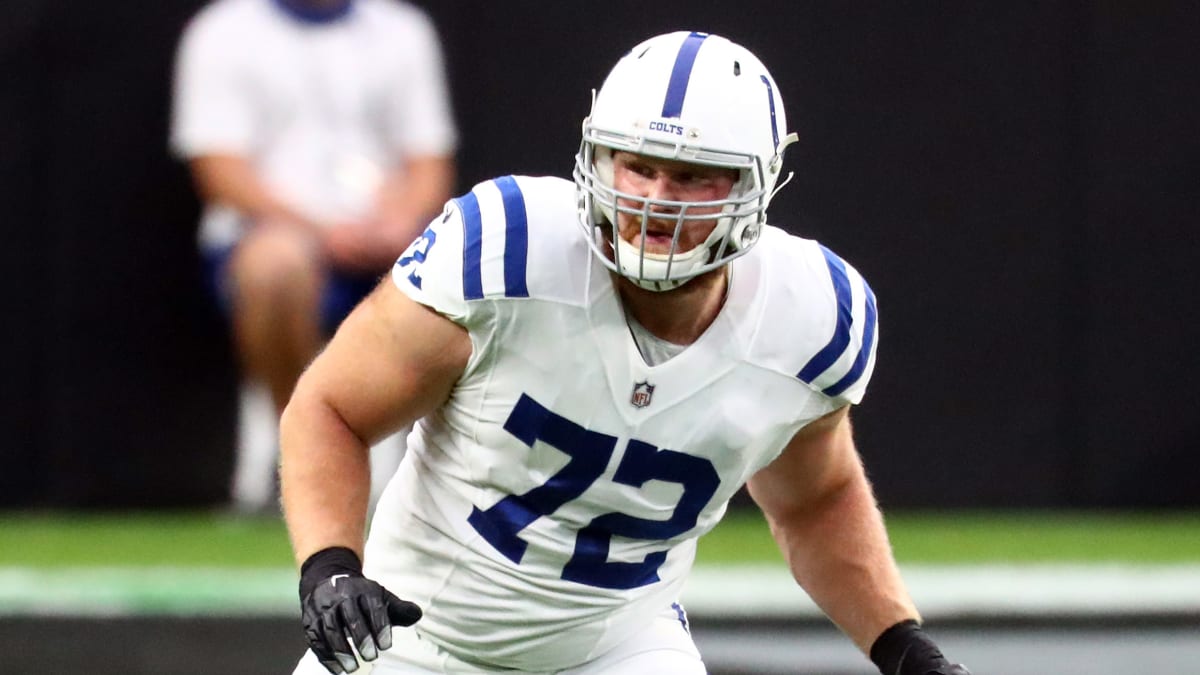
1019 182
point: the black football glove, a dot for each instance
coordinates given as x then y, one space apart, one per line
905 649
336 600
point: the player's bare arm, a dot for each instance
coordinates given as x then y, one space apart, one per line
823 515
392 361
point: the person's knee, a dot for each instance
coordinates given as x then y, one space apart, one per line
275 263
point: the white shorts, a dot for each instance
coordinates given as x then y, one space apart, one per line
664 648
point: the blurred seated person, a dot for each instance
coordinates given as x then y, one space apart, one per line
320 135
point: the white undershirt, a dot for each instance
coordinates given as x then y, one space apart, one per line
654 350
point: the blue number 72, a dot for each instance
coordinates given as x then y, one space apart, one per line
589 452
416 252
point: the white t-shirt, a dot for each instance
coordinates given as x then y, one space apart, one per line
549 509
322 109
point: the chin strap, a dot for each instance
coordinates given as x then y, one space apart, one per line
786 179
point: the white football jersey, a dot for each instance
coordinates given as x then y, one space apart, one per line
549 510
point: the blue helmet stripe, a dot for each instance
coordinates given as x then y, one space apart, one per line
681 73
468 205
516 238
864 352
825 358
771 103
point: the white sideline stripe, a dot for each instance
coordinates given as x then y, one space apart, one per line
975 590
132 591
761 591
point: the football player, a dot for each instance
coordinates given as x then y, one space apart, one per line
595 368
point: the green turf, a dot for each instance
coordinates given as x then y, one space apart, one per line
200 539
1086 536
58 540
966 537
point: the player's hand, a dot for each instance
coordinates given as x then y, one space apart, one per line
350 247
361 246
338 601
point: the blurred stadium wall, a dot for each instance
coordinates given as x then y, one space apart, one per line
1018 182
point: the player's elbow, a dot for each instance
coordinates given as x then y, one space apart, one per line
800 511
306 411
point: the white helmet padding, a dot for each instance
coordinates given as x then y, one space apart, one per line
690 97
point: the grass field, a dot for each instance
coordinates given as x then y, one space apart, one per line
49 540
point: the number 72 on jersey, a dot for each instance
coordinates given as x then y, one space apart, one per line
589 453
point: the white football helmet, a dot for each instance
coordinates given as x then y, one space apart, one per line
692 97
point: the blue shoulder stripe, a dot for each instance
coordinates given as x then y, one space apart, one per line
822 360
516 238
468 205
516 241
864 352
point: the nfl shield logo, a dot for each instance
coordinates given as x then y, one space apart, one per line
642 391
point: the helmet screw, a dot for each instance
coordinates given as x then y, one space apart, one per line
749 235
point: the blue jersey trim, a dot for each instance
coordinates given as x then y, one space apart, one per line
313 14
681 73
516 238
468 205
864 352
771 103
682 616
825 358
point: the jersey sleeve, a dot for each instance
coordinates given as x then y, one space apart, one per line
842 366
476 251
213 101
